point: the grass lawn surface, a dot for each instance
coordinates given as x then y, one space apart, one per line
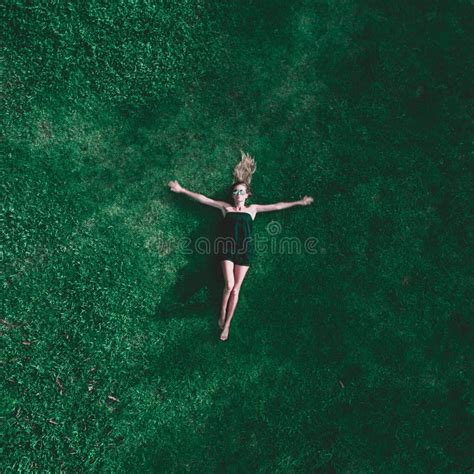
355 358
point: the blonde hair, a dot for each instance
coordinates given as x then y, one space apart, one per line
244 170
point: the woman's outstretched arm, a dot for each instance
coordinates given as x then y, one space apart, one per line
177 188
283 205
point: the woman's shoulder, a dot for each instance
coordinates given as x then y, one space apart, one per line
252 210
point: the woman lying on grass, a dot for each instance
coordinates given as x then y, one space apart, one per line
235 242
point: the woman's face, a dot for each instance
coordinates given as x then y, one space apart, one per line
239 194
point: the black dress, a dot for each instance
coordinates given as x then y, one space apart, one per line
235 241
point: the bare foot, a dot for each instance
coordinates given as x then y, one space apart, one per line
225 334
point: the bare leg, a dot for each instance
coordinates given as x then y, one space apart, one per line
228 269
239 272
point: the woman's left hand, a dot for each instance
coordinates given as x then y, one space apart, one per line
306 201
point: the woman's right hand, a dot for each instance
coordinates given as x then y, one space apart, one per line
175 186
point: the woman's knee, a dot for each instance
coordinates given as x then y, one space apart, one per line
229 285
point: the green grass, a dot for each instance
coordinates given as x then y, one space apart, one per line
354 359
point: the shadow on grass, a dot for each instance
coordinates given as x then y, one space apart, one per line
198 290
